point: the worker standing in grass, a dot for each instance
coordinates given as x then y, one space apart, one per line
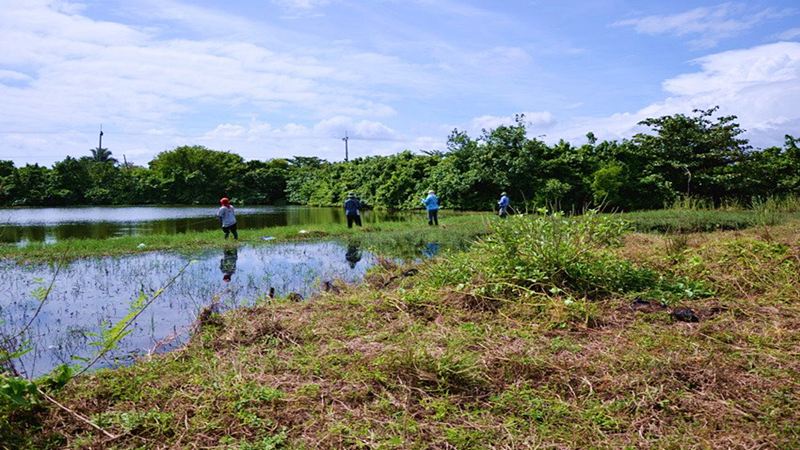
227 218
503 205
351 210
431 203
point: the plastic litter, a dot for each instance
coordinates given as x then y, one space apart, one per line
141 245
267 238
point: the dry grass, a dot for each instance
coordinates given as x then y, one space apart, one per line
397 363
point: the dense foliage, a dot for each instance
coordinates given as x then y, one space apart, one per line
698 155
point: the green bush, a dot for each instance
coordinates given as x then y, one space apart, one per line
556 256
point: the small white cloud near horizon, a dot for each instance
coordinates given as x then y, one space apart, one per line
709 24
533 120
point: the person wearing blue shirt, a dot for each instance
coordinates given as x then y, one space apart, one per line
351 210
431 203
503 204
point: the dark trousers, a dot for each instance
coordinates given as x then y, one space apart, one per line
503 212
230 229
353 218
433 217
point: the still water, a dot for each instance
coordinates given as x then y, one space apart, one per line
89 294
19 225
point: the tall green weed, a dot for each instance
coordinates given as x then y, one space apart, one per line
557 255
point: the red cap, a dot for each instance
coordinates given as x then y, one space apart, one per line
224 201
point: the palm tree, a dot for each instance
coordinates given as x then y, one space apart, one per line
101 154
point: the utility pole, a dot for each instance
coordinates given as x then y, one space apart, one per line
100 145
345 139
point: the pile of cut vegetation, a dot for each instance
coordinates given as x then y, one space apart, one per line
550 331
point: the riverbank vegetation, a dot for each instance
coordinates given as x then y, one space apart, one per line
699 156
550 331
402 239
407 238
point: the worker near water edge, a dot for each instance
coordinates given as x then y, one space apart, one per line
351 210
227 218
503 205
431 203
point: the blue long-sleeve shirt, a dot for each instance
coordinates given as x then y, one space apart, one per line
504 201
431 202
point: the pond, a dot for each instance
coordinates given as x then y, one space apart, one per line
20 225
89 294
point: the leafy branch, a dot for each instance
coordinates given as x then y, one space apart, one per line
110 338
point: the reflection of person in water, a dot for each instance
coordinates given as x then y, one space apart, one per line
353 255
431 249
228 263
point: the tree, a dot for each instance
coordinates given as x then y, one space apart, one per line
196 174
695 151
29 186
7 172
69 182
102 155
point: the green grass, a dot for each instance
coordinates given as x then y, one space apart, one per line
702 220
390 238
525 340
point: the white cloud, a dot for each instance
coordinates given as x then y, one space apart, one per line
761 85
11 75
63 71
535 121
301 4
790 34
323 139
709 25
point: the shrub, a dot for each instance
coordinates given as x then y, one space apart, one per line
556 255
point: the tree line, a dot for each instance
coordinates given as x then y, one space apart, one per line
702 155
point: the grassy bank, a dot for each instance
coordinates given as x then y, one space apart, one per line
391 238
691 215
401 239
692 221
548 333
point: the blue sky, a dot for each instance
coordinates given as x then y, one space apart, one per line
277 78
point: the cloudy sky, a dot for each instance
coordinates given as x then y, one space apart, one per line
277 78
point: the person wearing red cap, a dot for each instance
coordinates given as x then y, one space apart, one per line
227 218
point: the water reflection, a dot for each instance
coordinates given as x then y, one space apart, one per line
89 294
353 255
228 263
430 249
52 224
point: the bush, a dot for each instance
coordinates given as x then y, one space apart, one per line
555 255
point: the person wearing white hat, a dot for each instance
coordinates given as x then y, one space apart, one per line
503 205
351 210
431 203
